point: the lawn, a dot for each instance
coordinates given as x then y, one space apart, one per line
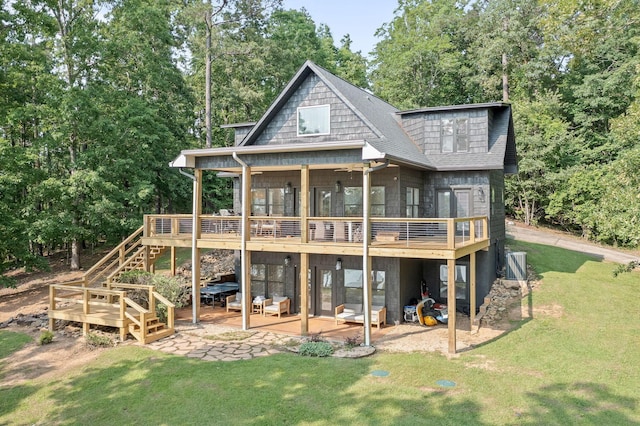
574 362
183 254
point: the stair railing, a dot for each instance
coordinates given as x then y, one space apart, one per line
129 262
171 317
97 271
140 320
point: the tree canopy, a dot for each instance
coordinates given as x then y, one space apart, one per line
97 97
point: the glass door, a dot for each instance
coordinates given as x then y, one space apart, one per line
324 292
323 203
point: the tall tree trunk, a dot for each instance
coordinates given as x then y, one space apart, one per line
505 79
505 63
207 91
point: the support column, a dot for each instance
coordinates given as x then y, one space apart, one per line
304 257
472 290
245 255
304 204
173 261
195 251
304 294
366 259
451 303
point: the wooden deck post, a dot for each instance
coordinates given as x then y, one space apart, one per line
195 250
304 293
451 234
304 205
451 303
173 261
472 290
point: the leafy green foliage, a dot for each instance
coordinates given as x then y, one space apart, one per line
45 338
169 287
316 349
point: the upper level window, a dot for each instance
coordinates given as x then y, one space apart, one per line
454 134
313 120
267 202
413 201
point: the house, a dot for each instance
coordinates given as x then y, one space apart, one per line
342 198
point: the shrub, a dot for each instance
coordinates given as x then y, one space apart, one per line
626 268
319 349
352 342
169 287
45 338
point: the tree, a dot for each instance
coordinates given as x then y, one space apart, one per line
421 59
544 152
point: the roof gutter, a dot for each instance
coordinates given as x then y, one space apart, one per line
243 243
366 260
266 149
194 244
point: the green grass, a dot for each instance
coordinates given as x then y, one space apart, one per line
183 254
575 361
11 342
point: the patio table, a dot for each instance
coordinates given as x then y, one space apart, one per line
218 292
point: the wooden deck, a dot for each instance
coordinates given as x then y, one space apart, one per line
425 238
111 308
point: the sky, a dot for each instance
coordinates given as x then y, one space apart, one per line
358 18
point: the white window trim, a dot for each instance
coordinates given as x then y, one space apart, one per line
328 106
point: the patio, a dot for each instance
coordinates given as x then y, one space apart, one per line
403 337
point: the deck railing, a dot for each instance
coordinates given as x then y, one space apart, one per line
451 232
114 299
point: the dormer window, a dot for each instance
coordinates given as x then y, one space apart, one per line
313 120
454 134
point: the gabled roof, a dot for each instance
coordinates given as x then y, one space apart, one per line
391 142
501 150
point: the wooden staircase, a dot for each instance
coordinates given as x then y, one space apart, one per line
142 260
129 255
152 330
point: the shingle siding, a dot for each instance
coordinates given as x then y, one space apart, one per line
428 138
345 125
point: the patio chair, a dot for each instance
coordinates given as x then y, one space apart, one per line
234 302
276 305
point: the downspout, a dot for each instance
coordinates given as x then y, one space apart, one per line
243 240
194 241
366 264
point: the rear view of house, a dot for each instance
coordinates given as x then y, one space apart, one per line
340 198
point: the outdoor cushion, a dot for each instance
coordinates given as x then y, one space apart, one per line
234 302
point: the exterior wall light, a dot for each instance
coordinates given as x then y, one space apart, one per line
287 261
339 264
481 195
338 186
287 188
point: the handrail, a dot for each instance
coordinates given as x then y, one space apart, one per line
128 262
114 251
170 308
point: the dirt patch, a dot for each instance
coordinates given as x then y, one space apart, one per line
33 361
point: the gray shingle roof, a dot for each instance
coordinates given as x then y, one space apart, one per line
385 122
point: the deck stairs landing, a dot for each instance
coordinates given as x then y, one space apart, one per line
100 299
